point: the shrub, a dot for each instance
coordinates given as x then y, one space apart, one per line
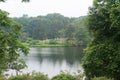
79 75
39 76
64 76
33 76
52 42
101 78
20 77
2 79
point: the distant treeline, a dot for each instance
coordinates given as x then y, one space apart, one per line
54 26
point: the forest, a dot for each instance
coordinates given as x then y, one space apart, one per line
54 27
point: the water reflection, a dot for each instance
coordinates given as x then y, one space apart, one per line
51 60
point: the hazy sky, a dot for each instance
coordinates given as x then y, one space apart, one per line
69 8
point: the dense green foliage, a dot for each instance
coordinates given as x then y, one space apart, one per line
10 45
33 76
101 78
40 76
54 26
64 76
102 56
47 43
43 27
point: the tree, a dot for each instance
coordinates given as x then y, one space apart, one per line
54 26
77 32
102 56
10 45
81 35
44 27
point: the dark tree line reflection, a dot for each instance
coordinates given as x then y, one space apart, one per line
58 54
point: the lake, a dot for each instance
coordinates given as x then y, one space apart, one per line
51 60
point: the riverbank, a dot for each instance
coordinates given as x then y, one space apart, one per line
47 45
51 43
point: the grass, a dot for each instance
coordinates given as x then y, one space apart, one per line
47 43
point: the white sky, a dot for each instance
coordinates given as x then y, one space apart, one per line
69 8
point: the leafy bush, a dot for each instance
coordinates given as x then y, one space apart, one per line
52 42
101 78
39 76
64 76
20 77
2 79
33 76
79 75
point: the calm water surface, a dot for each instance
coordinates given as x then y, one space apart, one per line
51 60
